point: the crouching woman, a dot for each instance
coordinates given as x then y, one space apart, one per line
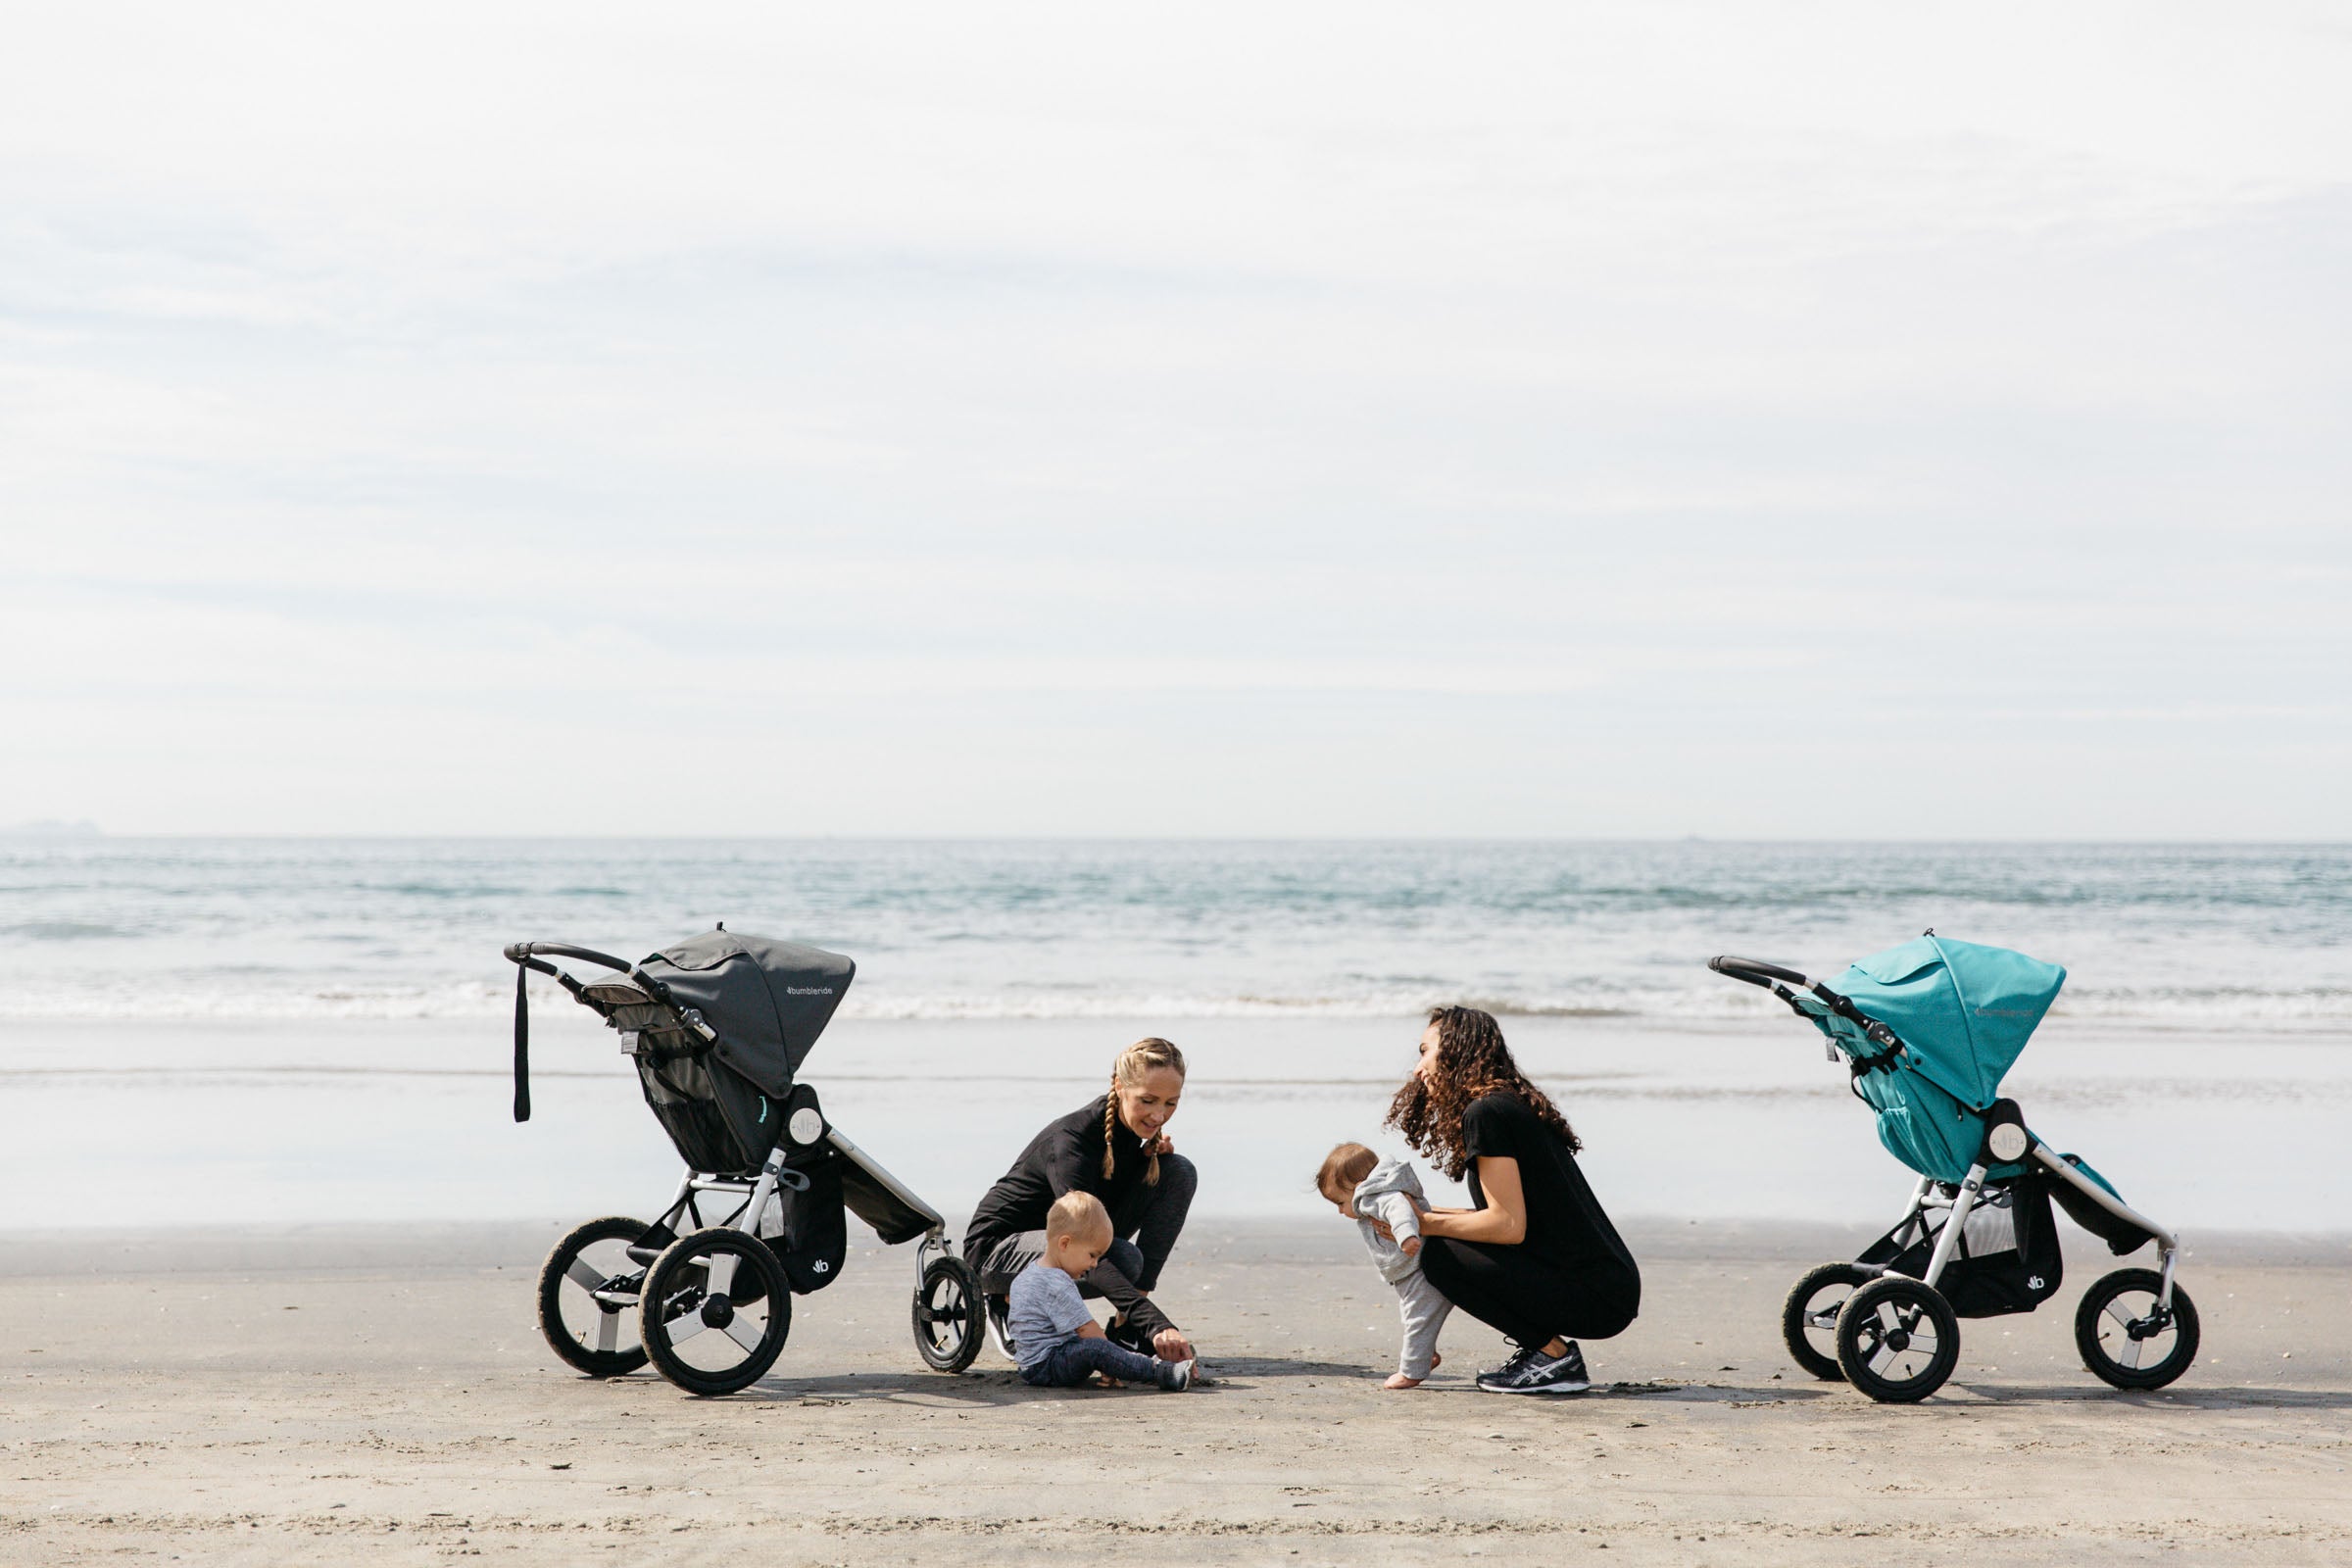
1115 1148
1537 1257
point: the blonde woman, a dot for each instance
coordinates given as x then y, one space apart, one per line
1115 1148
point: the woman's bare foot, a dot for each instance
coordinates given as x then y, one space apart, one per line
1398 1380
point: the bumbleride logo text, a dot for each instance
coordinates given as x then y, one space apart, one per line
807 991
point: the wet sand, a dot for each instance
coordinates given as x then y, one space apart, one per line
312 1395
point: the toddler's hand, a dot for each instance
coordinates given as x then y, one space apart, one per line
1410 1247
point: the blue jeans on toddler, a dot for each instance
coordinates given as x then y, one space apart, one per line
1068 1365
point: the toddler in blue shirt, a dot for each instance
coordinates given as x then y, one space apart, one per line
1054 1338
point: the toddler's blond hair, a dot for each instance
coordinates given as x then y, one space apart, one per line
1077 1214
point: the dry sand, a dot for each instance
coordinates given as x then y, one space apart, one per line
303 1397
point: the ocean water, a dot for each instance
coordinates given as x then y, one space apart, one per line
2211 937
200 1032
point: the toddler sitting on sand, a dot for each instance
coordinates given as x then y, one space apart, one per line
1369 1189
1054 1338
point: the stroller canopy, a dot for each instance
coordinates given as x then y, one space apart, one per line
767 999
1964 1011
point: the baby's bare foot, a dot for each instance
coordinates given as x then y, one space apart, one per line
1398 1380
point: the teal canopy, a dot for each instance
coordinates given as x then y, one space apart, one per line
1963 1012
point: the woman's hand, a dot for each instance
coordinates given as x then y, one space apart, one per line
1171 1346
1160 1144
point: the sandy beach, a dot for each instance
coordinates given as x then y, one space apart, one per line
381 1395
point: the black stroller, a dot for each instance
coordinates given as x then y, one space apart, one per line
718 1026
1926 1031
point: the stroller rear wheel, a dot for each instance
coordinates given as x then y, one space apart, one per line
595 1333
2125 1340
1809 1318
947 1315
1898 1340
715 1341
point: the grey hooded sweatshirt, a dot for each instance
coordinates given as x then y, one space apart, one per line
1388 1194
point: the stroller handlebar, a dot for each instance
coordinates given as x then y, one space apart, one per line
1755 971
519 951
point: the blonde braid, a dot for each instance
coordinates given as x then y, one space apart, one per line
1111 1122
1132 1063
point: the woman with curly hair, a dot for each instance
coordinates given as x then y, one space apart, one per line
1115 1147
1538 1258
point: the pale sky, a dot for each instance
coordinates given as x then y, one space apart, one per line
1806 422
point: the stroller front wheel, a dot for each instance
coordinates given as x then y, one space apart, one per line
1898 1340
715 1341
1809 1317
2126 1341
587 1294
947 1315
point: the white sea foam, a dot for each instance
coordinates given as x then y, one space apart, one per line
2216 938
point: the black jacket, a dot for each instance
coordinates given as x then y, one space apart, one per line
1066 1156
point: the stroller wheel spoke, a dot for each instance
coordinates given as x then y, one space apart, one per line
744 1332
679 1330
607 1332
585 1275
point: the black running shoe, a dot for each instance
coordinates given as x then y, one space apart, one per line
1533 1372
1130 1335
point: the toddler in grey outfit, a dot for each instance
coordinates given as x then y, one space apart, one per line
1366 1187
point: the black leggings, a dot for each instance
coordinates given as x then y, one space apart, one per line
1525 1297
1154 1218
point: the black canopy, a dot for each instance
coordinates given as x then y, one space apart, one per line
767 1000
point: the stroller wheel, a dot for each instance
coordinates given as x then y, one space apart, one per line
715 1341
598 1334
1898 1340
2123 1338
1809 1319
947 1315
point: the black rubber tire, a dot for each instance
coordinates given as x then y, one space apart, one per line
1797 1331
948 1326
1916 1309
676 1287
555 1274
2091 1317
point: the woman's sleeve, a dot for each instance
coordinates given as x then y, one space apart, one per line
1484 1129
1066 1163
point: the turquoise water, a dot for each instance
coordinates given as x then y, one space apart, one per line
2211 937
316 1030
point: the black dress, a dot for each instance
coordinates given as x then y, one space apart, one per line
1572 1275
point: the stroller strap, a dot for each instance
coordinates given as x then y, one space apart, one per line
523 1044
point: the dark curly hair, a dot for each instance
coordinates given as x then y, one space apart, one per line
1471 1061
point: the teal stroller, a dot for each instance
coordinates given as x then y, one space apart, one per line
1926 1030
